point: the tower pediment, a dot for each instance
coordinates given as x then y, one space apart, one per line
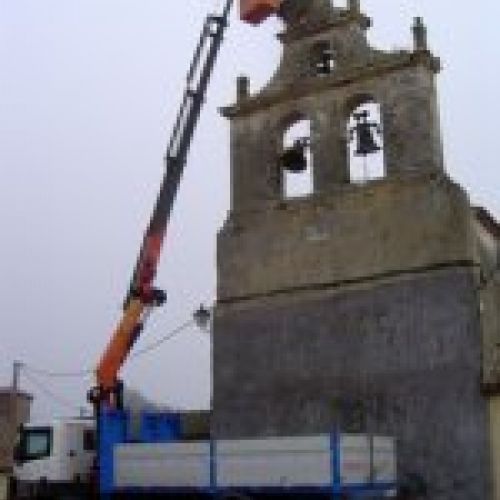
327 70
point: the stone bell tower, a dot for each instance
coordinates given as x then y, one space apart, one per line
358 307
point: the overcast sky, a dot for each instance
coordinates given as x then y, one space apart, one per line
88 93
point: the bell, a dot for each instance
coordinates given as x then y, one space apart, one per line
365 140
294 158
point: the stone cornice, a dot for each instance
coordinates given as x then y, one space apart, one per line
383 64
338 193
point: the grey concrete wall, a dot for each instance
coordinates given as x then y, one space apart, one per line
399 358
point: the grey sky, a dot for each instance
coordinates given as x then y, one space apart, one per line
88 92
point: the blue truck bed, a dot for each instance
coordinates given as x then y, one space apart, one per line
159 463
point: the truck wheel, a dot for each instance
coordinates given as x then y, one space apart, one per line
42 489
33 490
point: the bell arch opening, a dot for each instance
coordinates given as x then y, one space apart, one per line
365 140
322 59
296 160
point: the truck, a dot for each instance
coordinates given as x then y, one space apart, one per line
55 458
171 455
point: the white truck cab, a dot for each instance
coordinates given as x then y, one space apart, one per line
54 458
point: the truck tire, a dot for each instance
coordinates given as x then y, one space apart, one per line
42 490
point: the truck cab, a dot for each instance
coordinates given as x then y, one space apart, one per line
54 458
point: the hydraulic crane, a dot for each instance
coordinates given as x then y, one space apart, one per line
142 296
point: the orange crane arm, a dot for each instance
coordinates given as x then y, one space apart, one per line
142 296
120 344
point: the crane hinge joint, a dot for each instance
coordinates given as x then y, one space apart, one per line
154 297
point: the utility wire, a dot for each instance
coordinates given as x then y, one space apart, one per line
51 374
158 343
89 371
60 400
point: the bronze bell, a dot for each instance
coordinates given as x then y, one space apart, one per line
363 130
294 158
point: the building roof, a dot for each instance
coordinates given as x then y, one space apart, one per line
487 221
9 390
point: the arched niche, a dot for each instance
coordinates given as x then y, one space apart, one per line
296 158
363 116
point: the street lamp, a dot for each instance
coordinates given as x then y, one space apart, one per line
202 317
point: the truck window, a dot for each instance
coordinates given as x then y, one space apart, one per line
89 440
36 443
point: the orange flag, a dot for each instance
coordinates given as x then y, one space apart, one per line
256 11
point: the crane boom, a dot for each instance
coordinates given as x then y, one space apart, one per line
142 296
